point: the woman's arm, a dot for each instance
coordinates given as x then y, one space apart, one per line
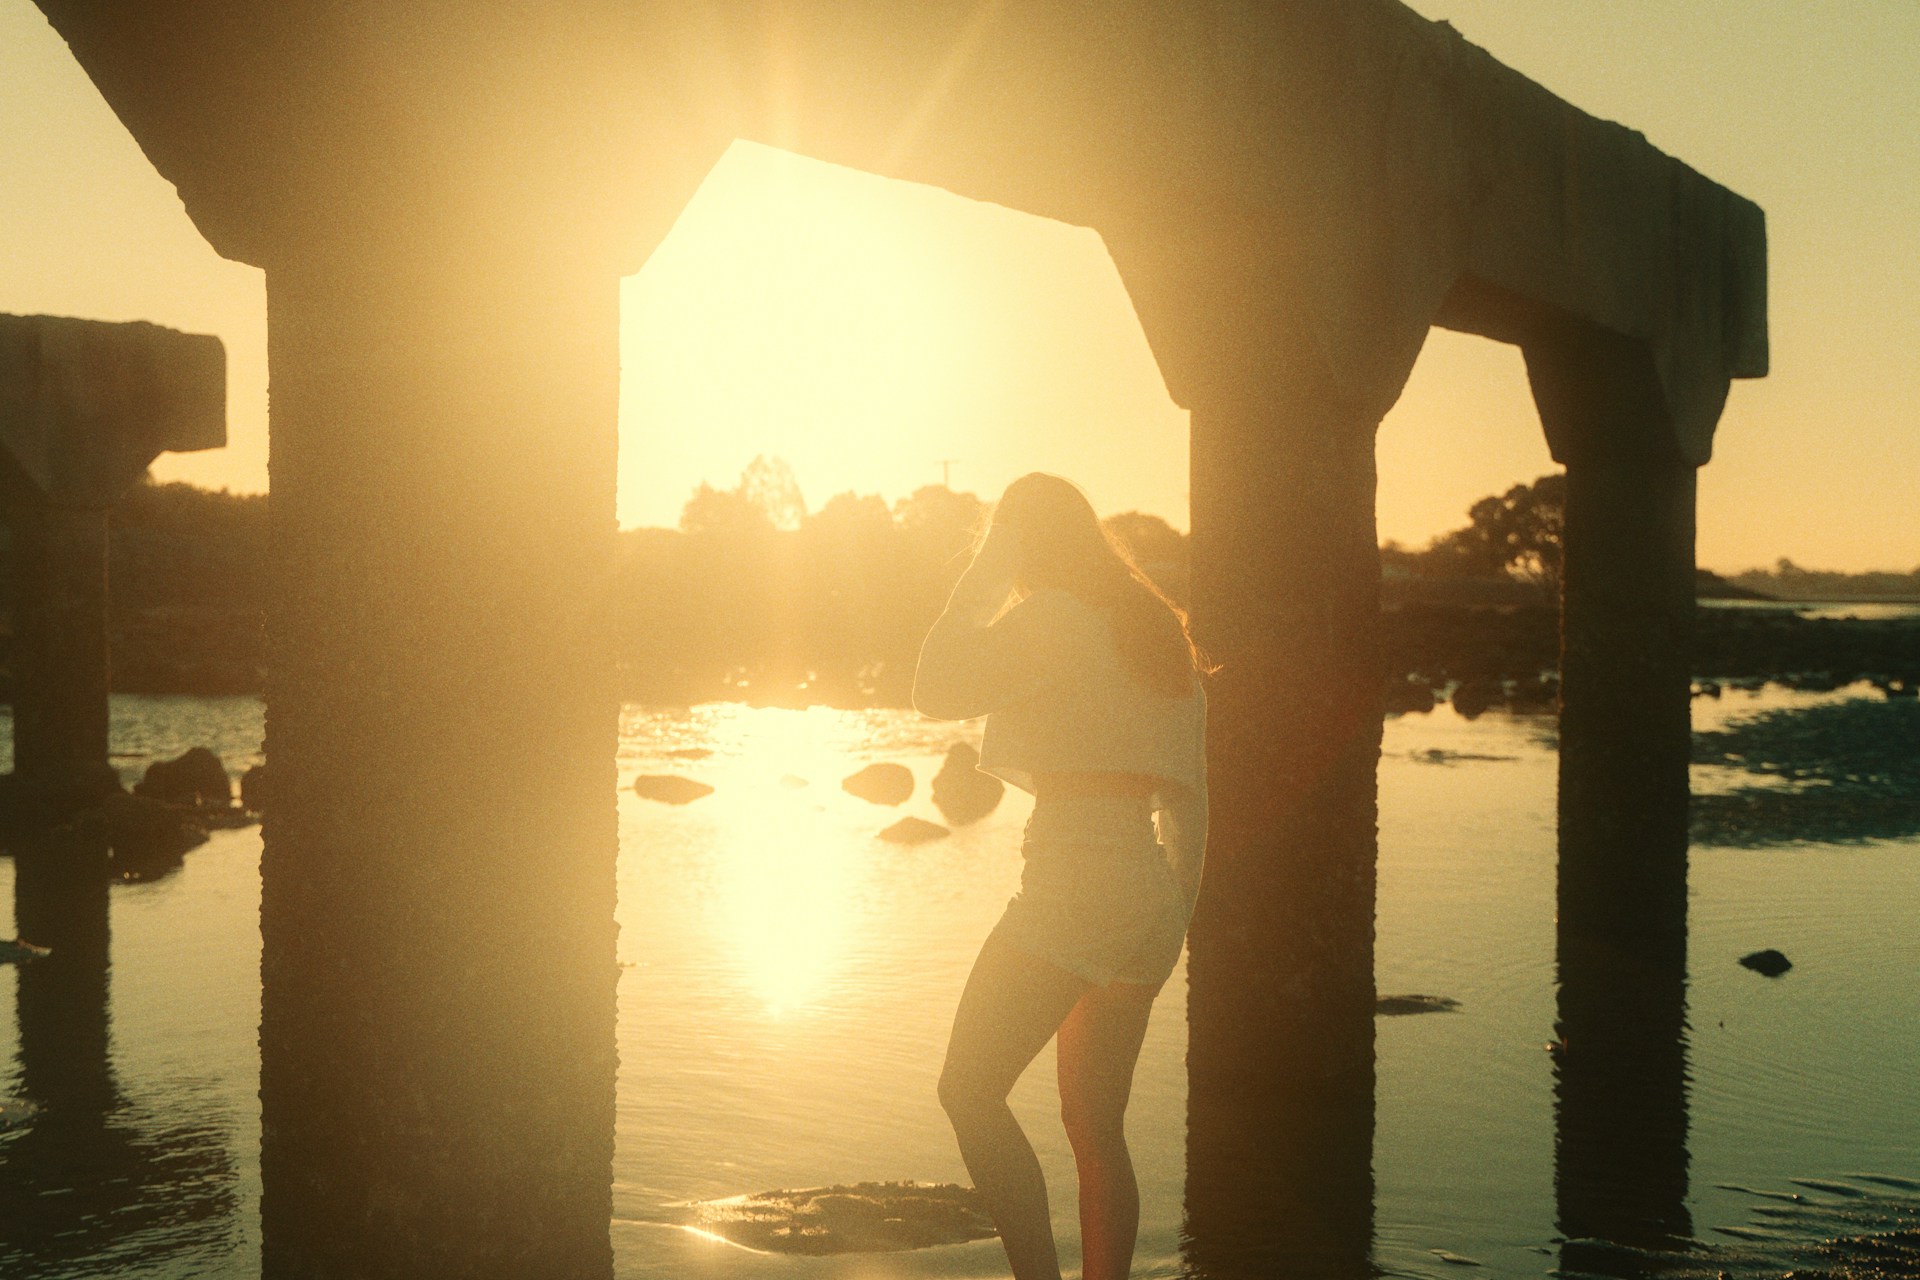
1180 813
977 659
1181 817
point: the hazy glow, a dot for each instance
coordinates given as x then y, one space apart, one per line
865 330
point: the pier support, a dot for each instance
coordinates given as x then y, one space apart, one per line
437 1021
1625 735
1625 637
59 651
85 407
1280 1003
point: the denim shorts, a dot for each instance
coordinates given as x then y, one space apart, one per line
1097 894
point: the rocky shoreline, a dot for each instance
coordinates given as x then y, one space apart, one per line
1502 653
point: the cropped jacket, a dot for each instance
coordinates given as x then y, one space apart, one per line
1059 698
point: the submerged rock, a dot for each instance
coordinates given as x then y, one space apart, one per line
867 1217
1769 963
1476 695
147 839
196 777
670 788
1397 1006
960 791
883 783
1408 694
913 831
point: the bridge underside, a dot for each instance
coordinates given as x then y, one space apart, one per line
443 198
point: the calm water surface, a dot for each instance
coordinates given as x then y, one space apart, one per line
787 982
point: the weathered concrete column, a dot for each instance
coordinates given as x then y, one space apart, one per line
59 647
437 1023
1286 598
1625 634
1626 625
85 406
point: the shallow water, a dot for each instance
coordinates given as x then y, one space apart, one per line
789 978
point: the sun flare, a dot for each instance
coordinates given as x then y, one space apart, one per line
876 334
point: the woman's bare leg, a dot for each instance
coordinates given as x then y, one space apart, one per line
1099 1044
1012 1005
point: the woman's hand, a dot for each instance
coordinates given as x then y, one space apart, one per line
984 588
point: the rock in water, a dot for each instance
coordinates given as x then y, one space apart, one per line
197 777
1475 695
15 1112
1396 1006
913 831
253 789
1770 963
1409 694
868 1217
670 788
880 783
960 791
147 838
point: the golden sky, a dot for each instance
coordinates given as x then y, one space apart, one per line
869 330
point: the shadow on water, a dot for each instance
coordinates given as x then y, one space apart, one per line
1838 773
85 1176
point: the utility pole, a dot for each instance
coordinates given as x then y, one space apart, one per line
946 471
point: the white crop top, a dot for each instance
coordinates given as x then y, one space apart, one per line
1059 698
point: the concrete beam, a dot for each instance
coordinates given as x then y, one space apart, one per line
86 405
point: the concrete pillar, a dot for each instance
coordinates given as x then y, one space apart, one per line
1625 733
1286 599
437 1023
1625 649
1626 636
85 406
59 649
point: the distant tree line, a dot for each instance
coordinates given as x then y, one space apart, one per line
754 596
1788 581
1519 535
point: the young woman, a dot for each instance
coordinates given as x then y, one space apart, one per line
1090 685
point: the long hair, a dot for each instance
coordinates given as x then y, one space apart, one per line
1063 545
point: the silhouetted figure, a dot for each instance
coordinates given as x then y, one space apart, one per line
1093 700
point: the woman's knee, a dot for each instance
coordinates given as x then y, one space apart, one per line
1096 1132
965 1093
